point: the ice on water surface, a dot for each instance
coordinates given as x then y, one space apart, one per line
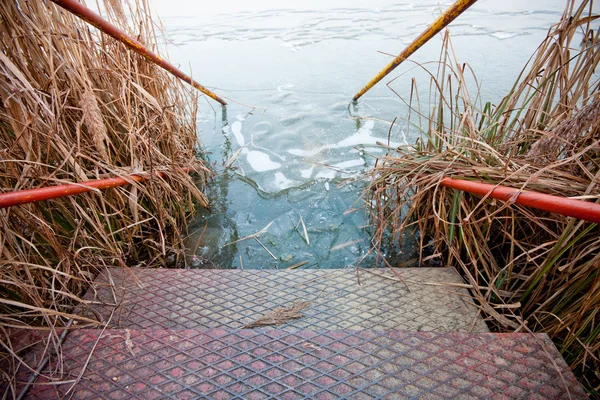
261 162
290 135
236 129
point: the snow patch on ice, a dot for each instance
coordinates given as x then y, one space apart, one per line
363 136
326 174
504 35
310 153
261 162
282 182
293 47
350 164
306 173
236 128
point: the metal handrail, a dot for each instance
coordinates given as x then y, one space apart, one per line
580 209
440 23
96 20
26 196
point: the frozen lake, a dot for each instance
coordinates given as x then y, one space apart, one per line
289 70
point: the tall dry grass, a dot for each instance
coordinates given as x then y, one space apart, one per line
77 105
528 270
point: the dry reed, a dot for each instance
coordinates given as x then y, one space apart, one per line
77 105
529 270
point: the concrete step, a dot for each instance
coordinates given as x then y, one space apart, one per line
339 299
283 364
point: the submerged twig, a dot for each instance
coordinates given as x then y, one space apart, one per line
254 235
304 230
350 243
265 247
295 266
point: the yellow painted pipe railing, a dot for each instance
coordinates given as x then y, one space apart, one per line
448 16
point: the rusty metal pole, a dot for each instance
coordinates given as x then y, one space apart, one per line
443 20
96 20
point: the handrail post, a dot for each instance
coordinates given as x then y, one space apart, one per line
440 23
103 25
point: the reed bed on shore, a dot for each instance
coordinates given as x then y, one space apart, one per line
77 105
528 270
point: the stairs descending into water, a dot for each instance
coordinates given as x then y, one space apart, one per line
413 333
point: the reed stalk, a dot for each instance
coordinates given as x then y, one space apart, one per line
529 270
76 105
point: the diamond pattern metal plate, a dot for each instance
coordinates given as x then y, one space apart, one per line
262 364
31 347
207 299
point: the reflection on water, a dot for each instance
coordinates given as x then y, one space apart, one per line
285 152
213 230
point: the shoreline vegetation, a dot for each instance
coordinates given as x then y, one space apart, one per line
77 105
528 270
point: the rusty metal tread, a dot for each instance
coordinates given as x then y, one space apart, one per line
261 364
207 299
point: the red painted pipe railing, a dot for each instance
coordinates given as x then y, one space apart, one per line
34 195
96 20
561 205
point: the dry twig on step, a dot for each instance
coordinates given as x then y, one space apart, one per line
280 315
